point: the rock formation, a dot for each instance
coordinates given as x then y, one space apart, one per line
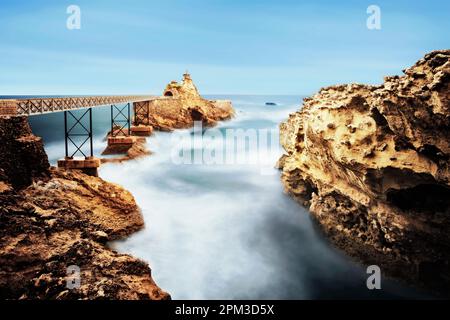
372 165
22 155
182 105
51 219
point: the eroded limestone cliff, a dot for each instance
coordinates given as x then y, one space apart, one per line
372 165
51 219
183 105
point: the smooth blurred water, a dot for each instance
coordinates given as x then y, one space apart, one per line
226 231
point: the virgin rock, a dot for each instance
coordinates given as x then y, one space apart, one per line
181 105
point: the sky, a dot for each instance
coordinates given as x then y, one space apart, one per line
228 46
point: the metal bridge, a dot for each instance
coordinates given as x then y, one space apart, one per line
34 106
78 125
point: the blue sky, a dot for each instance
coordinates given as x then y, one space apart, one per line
229 46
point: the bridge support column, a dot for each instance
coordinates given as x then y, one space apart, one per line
78 134
120 120
141 123
119 138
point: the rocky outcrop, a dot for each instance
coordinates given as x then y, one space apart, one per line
51 219
372 165
182 105
22 155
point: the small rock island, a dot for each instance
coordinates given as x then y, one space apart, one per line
182 104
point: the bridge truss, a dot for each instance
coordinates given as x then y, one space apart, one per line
34 106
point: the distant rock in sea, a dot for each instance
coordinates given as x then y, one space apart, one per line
372 164
271 104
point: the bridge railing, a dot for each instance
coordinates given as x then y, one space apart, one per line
35 106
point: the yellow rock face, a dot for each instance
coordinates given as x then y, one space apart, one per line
185 90
372 164
182 105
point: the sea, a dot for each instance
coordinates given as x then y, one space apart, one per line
218 227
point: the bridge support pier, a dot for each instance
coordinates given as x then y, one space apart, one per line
141 131
78 134
88 165
141 124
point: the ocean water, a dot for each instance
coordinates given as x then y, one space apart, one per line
226 230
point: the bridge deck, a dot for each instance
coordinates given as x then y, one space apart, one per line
34 106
